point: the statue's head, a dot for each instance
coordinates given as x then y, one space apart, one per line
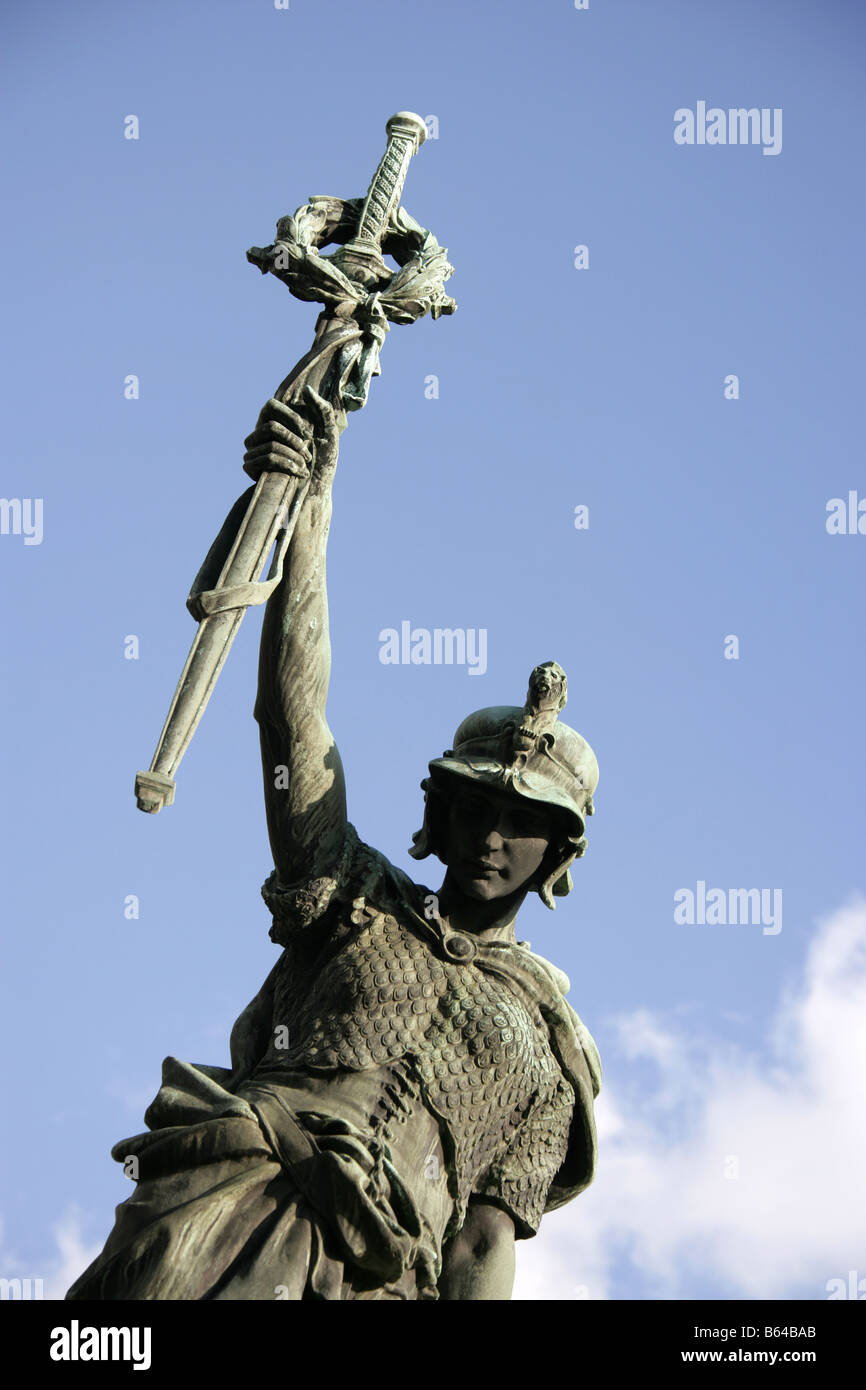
525 776
548 687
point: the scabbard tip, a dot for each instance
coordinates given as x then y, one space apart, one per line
153 791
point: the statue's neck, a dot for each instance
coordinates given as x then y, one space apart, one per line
489 921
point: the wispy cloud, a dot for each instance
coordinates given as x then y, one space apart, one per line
70 1257
730 1173
73 1255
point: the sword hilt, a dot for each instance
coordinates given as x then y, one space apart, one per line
361 258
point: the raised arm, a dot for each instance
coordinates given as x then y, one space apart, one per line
305 795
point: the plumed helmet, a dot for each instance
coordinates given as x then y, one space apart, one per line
530 753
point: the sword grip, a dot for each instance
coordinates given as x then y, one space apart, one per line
406 134
361 258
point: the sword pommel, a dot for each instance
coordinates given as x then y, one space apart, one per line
408 124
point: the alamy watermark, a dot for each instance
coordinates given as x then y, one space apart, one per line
22 1289
712 907
22 516
846 519
439 646
77 1343
854 1287
735 126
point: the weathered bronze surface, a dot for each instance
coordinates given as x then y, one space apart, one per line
410 1090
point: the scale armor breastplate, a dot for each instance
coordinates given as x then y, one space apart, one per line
360 987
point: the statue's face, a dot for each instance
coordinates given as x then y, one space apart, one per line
496 841
545 687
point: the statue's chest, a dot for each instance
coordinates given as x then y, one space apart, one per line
386 992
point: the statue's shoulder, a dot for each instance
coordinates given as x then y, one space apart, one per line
565 1018
580 1063
362 881
544 985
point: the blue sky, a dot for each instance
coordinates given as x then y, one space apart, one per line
557 387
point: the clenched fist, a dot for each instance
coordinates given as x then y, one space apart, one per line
302 439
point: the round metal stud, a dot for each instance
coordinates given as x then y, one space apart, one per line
459 948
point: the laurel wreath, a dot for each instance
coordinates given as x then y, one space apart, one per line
414 290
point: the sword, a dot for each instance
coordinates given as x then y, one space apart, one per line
360 294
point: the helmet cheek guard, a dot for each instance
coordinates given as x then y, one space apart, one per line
529 753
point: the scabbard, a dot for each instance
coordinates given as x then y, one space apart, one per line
338 365
261 515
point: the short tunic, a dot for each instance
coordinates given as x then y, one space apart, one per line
408 1071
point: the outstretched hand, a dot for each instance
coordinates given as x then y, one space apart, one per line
302 439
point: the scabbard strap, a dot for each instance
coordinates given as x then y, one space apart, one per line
206 603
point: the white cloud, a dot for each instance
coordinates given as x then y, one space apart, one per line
73 1255
70 1258
794 1129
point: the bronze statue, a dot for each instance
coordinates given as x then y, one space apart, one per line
410 1090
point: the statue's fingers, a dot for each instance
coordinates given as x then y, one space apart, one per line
258 447
294 420
260 435
273 433
279 413
291 439
278 456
